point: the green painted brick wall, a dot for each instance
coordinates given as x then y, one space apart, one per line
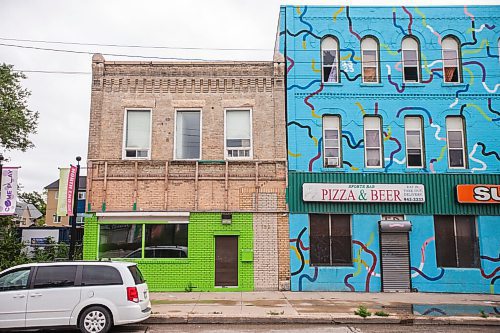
198 270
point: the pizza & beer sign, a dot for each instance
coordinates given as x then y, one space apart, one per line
385 193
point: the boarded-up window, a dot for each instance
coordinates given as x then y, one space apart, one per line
330 240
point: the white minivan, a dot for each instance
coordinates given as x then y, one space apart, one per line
92 296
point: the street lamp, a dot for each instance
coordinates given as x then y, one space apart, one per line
72 239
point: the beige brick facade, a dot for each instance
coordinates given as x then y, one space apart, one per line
212 183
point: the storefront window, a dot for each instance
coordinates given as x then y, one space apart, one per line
120 240
330 239
166 241
456 241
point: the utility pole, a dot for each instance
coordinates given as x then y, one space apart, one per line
72 239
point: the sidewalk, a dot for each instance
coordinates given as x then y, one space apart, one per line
324 308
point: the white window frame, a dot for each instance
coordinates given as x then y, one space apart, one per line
421 148
56 218
339 145
175 134
57 195
381 142
82 195
226 156
457 60
376 60
417 51
337 59
124 142
464 147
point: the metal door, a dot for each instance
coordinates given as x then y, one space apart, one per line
226 261
395 261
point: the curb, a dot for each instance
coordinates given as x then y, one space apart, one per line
320 319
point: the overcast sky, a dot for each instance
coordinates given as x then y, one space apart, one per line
63 100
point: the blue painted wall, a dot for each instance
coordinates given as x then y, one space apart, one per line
477 99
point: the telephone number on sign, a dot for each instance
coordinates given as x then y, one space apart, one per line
414 199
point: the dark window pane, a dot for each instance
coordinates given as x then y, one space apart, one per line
96 275
119 240
15 280
319 239
467 247
410 74
329 57
55 276
451 74
330 74
414 158
456 158
445 241
136 274
341 239
166 241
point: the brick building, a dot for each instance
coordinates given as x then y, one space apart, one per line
187 172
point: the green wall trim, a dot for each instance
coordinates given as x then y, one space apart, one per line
440 193
197 272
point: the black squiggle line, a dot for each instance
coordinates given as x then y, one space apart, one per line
298 33
473 36
350 144
347 76
462 109
490 108
309 130
485 153
302 261
348 163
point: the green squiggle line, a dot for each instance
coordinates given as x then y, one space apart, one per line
479 109
391 52
471 77
477 50
426 67
419 12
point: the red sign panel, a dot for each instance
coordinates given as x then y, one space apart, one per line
481 194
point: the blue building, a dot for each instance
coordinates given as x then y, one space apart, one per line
393 124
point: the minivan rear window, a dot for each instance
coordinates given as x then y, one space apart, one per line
136 274
97 275
55 276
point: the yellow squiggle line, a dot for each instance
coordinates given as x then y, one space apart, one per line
389 133
314 114
313 66
419 12
391 52
426 66
471 80
297 9
370 240
345 57
358 257
357 58
294 155
475 106
477 50
442 153
341 9
315 141
358 104
304 44
297 253
353 168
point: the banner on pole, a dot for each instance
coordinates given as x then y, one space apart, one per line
8 191
67 179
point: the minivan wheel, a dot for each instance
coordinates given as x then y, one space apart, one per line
95 319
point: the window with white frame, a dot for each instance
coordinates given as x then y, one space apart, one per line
188 135
451 60
137 134
332 141
82 195
330 60
456 142
238 134
56 195
369 60
411 60
414 142
373 141
56 219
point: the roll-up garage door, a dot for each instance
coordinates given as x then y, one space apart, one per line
395 261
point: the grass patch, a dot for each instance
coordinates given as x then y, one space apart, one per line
381 314
362 311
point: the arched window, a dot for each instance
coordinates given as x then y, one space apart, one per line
330 60
451 60
411 60
369 60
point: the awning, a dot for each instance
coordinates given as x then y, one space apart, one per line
394 226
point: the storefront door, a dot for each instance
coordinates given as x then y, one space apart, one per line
395 254
226 261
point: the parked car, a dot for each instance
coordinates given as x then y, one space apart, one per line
92 296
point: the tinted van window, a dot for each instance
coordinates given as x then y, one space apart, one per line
136 274
95 275
55 276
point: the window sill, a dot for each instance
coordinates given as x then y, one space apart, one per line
416 170
453 85
414 84
136 158
373 170
371 84
457 170
342 169
333 84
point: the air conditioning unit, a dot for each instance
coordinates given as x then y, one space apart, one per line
332 161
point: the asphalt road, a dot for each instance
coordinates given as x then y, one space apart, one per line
205 328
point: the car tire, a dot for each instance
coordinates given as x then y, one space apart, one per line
95 319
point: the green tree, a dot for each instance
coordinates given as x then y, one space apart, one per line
36 199
17 122
11 247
